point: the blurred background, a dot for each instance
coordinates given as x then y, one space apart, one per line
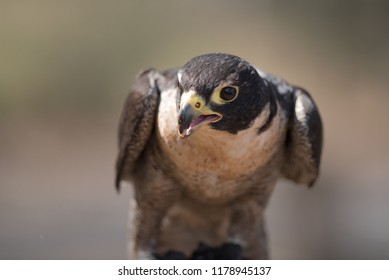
66 67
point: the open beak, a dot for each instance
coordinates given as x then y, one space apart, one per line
194 113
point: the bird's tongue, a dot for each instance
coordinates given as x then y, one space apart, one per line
202 118
197 121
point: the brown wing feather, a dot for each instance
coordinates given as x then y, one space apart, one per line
304 140
136 122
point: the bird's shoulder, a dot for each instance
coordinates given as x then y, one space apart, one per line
138 119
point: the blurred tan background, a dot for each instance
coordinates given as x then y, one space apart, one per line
66 66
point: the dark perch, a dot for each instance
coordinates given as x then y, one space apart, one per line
227 251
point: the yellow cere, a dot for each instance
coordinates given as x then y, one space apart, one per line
195 101
189 98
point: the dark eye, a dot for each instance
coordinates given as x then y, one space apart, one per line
228 93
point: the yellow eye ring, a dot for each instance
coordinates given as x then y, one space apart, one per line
228 93
224 93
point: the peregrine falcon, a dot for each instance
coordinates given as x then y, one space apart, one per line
203 147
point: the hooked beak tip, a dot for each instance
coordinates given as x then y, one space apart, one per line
190 119
185 133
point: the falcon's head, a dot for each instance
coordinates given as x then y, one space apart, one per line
219 90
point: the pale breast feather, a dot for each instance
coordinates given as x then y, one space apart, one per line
212 162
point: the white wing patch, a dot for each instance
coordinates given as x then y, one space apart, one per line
282 85
179 76
303 106
260 72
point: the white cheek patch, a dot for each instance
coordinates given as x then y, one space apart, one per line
167 114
